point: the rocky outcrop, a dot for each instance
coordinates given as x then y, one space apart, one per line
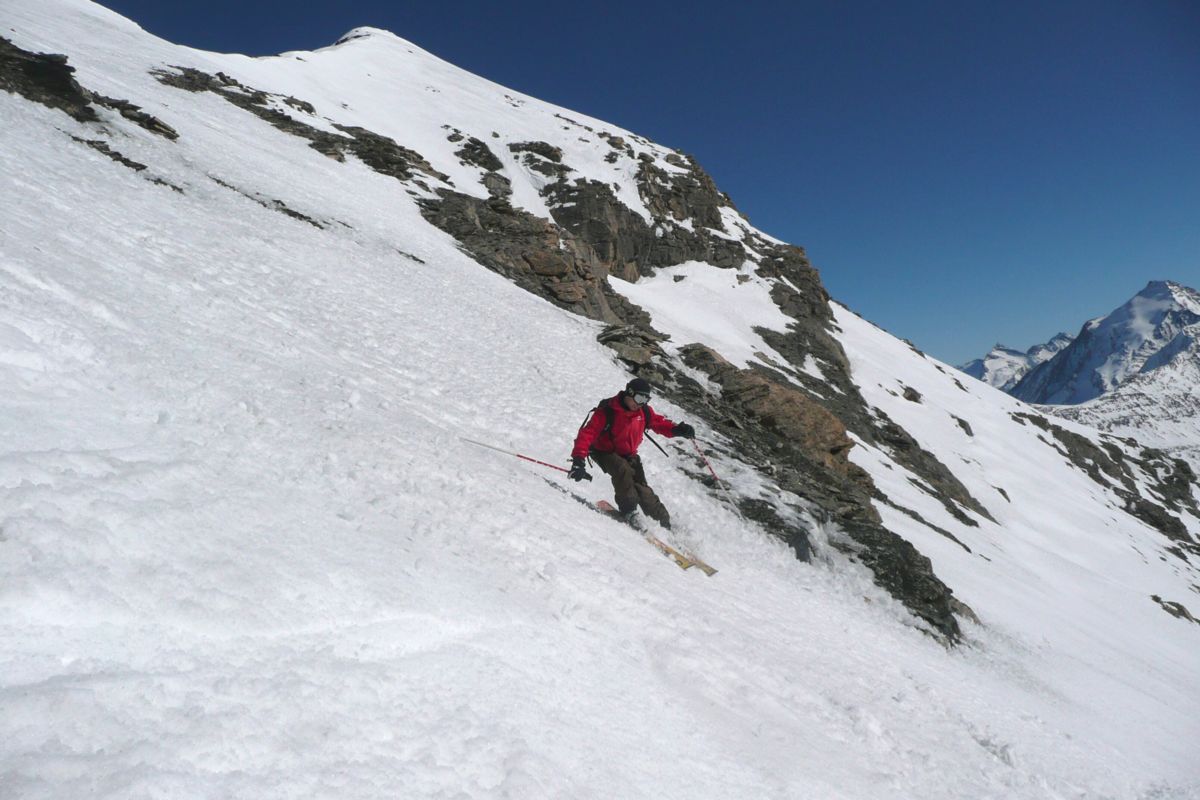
532 252
379 152
49 80
804 448
799 294
44 78
476 153
542 158
1109 466
1177 610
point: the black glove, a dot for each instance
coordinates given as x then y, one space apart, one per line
577 472
684 430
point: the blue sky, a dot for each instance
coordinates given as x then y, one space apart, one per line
961 172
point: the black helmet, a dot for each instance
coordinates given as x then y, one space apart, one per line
639 386
639 389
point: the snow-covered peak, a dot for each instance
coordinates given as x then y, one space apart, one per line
1112 348
367 32
1004 366
1159 406
1171 293
1044 352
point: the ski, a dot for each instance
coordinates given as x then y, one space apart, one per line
682 559
605 507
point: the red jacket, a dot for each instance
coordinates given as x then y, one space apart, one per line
626 434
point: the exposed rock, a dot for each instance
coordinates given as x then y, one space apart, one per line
807 448
265 202
1109 467
616 143
787 412
547 151
626 245
135 114
681 196
102 146
497 185
47 79
476 153
380 153
541 157
810 336
534 253
44 78
633 344
1177 610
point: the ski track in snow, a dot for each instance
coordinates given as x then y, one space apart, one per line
244 553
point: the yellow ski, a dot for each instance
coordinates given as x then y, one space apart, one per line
682 559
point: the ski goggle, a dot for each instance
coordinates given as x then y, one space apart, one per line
641 398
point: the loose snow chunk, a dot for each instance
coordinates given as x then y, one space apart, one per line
697 302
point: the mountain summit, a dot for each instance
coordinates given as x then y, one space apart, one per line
1003 366
1153 327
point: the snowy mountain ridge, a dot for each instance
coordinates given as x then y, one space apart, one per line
1162 318
1138 365
251 306
1159 406
1003 367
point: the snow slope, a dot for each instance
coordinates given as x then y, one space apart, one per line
244 552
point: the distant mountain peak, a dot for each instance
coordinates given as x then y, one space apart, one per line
1141 334
1004 366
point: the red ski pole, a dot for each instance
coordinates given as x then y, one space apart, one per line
720 483
518 455
705 460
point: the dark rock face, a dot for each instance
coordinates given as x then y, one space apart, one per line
810 336
541 157
44 78
530 251
783 431
47 79
591 212
478 154
625 243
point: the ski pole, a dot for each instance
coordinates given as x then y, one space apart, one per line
720 483
704 458
510 453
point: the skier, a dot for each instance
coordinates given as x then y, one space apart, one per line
611 436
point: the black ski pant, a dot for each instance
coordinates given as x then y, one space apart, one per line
629 486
